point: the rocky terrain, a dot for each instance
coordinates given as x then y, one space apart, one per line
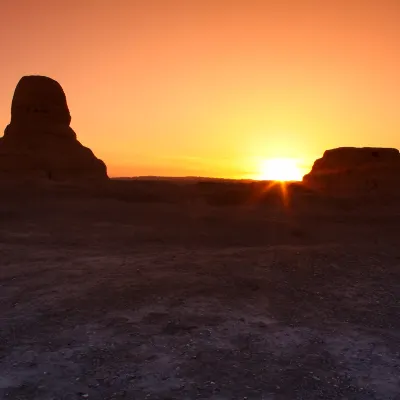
140 293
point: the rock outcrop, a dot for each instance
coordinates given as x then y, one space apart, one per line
39 142
351 170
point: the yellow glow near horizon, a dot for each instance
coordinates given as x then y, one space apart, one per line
280 169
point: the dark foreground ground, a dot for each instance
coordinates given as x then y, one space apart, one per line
103 298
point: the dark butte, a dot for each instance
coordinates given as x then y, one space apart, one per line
39 142
356 170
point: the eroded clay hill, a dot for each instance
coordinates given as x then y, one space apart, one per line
351 170
39 142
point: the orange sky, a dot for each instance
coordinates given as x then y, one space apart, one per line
211 87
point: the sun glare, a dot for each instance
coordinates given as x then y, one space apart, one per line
280 169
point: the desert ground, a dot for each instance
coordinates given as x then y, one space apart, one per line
168 291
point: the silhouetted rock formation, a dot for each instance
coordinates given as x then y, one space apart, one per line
351 170
38 142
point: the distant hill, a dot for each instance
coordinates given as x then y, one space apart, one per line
180 179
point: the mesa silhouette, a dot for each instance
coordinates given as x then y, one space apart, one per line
39 142
356 171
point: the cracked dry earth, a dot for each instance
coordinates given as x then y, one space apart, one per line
101 299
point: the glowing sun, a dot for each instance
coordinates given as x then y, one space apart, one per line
280 169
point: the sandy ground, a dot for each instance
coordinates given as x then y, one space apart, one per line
106 299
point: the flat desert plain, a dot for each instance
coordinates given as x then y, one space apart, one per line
116 297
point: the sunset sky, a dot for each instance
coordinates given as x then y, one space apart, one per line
211 87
